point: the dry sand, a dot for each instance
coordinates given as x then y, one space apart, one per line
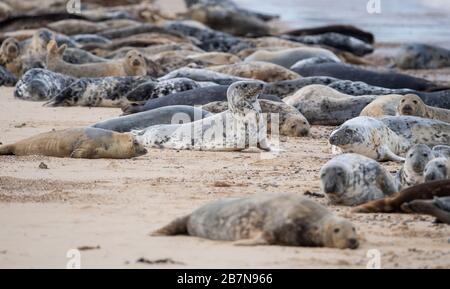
112 205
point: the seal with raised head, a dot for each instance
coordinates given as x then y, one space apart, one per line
286 219
413 105
422 56
437 169
163 115
102 92
325 106
41 84
89 143
291 121
412 172
134 64
387 79
240 127
288 57
369 137
6 77
382 106
392 204
264 71
352 179
438 208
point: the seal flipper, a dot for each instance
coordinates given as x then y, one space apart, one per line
427 208
176 227
80 153
6 150
387 154
259 240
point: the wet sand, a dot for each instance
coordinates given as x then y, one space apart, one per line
112 205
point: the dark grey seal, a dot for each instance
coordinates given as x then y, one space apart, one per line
422 56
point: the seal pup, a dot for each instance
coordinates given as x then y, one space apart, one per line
264 71
238 128
437 169
369 137
162 115
392 204
382 106
419 130
412 172
413 105
152 89
195 97
291 121
203 75
325 106
98 92
286 219
134 64
41 84
352 179
386 79
422 56
335 40
438 208
88 143
288 57
6 77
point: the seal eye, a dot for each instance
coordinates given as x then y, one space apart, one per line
441 166
337 230
403 100
415 101
425 155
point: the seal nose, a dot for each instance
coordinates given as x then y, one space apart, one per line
407 109
430 177
304 132
38 90
330 188
353 243
136 62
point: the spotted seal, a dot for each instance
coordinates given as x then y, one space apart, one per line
352 179
437 169
325 106
422 56
291 121
386 79
264 71
162 115
288 57
203 75
240 127
287 87
412 172
90 143
286 219
103 92
41 84
411 104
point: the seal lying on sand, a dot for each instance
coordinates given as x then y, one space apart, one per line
325 106
437 169
287 87
292 122
104 92
41 84
371 138
6 77
134 64
203 75
88 143
413 105
422 56
163 115
335 40
195 97
289 57
264 71
357 88
341 29
241 127
352 179
387 79
438 208
412 172
285 219
394 203
382 106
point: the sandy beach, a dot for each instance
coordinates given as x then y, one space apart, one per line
107 208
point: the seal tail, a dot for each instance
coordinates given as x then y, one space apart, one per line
6 150
176 227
